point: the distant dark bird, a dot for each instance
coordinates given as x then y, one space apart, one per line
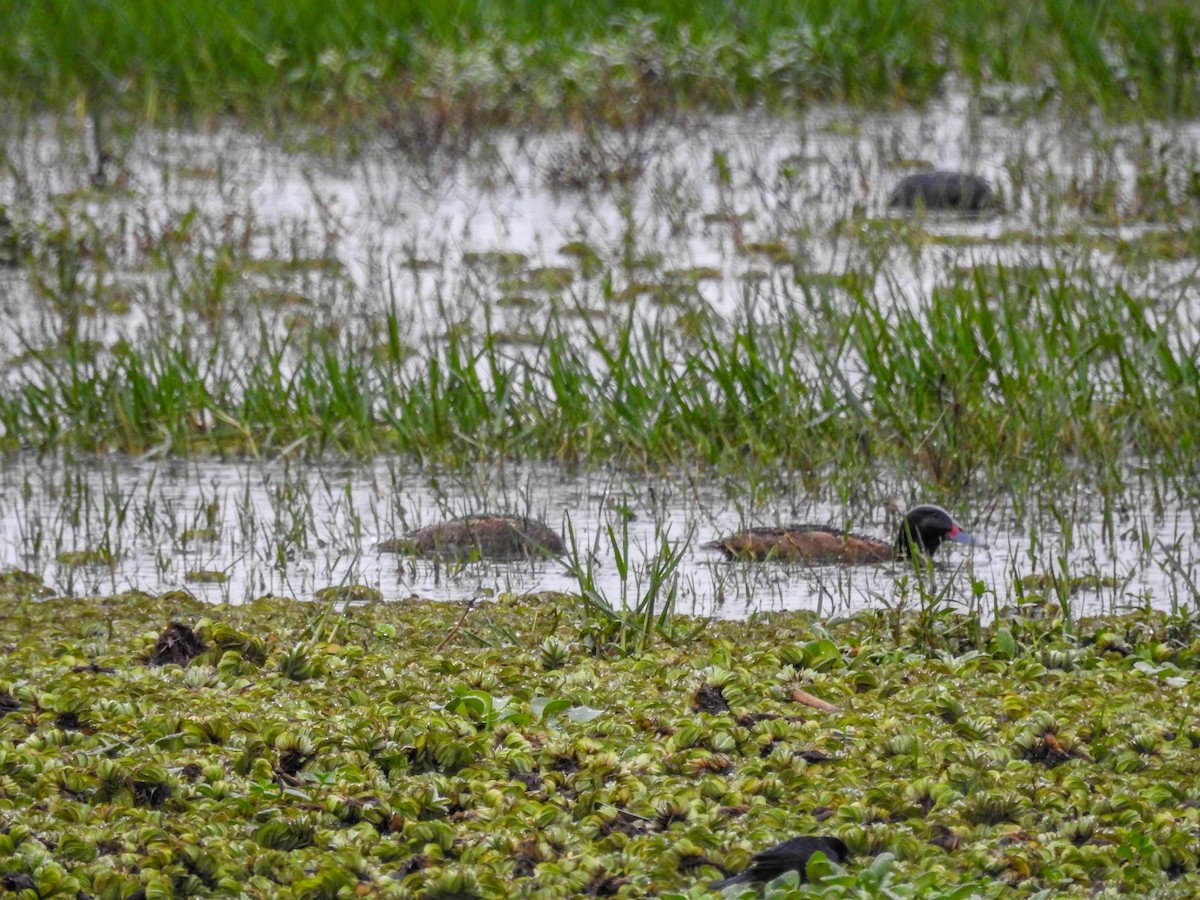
924 528
791 855
10 240
952 191
485 535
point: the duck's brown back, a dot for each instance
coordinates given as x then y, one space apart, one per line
815 544
488 536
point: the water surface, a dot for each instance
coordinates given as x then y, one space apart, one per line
732 216
288 528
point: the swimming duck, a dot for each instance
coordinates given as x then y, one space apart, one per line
485 535
790 855
938 190
925 527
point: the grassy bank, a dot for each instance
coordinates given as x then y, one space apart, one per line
422 750
421 63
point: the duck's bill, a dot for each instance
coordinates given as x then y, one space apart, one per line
962 537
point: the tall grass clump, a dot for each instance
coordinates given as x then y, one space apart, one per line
1026 369
534 63
644 612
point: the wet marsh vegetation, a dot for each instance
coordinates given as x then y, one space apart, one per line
286 359
265 316
423 69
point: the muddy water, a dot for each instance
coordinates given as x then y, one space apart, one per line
291 529
343 240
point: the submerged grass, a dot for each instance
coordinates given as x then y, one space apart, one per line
157 745
425 67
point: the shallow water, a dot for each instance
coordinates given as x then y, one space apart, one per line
344 240
290 529
697 206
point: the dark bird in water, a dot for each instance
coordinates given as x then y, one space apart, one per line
791 855
485 535
943 191
923 529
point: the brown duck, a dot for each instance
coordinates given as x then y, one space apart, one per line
484 535
924 529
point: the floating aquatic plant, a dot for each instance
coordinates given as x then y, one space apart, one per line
432 767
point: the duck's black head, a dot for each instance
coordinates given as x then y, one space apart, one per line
836 850
925 527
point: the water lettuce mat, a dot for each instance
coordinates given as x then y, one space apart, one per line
155 747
